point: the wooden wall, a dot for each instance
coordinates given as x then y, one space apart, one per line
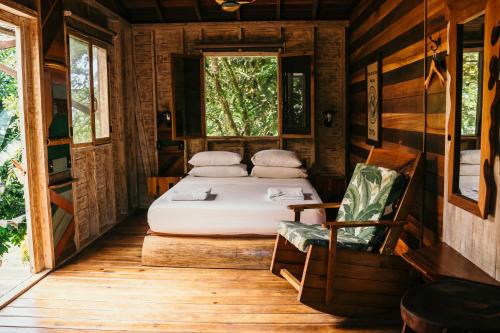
153 44
394 31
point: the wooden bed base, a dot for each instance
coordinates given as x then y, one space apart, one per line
238 252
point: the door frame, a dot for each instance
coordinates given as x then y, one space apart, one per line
30 84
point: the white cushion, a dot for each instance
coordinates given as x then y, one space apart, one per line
207 158
278 172
470 156
222 171
276 158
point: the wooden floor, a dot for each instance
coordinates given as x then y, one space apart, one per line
106 289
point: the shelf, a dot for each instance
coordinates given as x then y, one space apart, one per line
58 141
63 184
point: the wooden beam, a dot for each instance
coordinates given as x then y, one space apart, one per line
315 7
7 44
7 70
68 13
159 10
198 10
8 32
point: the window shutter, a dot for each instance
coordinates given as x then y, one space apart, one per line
188 109
296 93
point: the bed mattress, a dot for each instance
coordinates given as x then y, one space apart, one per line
238 206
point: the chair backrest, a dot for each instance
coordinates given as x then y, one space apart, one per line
411 165
407 163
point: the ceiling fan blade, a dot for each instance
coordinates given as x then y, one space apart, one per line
245 2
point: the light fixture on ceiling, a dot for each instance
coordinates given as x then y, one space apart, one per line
232 5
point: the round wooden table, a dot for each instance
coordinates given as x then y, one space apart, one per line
452 304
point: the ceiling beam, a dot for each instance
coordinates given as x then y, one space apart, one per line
159 10
278 10
315 7
197 9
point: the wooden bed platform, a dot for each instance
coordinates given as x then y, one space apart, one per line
238 252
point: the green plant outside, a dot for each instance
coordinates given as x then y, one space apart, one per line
241 95
12 200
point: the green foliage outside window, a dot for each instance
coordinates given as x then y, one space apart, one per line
241 96
12 200
80 90
470 92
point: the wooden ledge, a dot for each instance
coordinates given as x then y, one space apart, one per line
442 261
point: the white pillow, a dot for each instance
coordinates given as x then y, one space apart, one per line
470 170
206 158
276 158
221 171
470 156
278 172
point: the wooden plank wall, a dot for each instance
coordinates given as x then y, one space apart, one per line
394 31
153 44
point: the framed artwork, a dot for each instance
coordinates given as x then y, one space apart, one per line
373 103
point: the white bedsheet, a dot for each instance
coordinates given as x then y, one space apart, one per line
238 206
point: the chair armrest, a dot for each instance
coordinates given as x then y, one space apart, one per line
354 224
314 206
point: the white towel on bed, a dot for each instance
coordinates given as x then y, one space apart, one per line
194 195
285 193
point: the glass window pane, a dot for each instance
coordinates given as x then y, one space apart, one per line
80 90
101 106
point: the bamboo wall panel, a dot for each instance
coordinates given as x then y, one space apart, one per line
394 31
105 185
153 44
83 194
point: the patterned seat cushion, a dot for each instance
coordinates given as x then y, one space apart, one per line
302 235
371 196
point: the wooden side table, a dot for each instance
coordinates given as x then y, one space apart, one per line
451 305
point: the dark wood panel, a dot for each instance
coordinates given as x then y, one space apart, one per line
386 22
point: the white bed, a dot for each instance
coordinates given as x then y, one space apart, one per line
239 206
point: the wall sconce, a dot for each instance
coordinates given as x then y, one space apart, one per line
164 118
328 118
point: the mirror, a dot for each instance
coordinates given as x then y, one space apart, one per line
469 105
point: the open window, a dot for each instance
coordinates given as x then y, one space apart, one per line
242 95
89 91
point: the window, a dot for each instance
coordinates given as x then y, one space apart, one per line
241 95
89 91
471 92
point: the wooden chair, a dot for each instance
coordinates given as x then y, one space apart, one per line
346 281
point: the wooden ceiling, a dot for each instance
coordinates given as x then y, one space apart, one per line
169 11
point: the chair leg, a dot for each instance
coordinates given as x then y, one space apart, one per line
286 256
313 283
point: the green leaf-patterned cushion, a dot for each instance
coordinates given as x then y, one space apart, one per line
371 195
302 235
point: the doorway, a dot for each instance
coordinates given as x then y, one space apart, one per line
15 242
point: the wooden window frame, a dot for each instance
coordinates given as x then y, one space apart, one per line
279 54
70 32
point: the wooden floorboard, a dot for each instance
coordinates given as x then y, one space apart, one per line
105 289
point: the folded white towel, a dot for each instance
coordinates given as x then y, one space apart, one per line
194 195
285 193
